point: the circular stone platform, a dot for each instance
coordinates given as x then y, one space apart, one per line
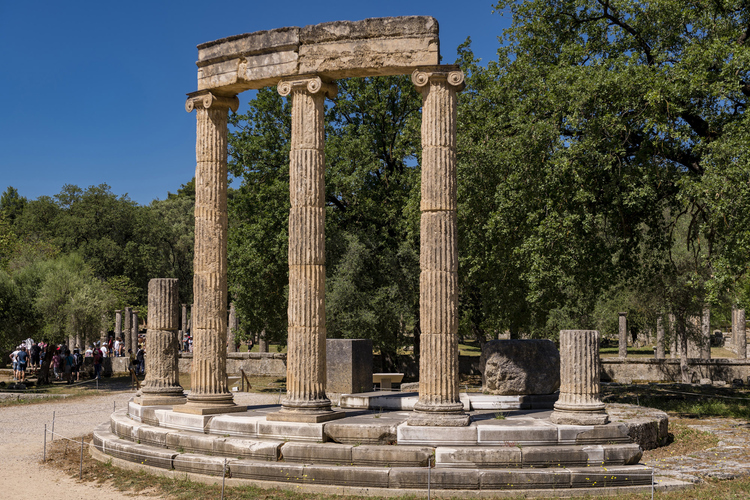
367 449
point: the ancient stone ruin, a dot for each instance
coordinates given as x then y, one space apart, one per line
305 441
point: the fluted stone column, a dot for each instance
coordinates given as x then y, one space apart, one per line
209 393
579 402
232 329
262 342
439 403
118 324
740 339
162 383
103 331
127 328
660 351
183 322
706 334
134 332
673 351
623 329
306 399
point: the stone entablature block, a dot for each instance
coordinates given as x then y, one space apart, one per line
339 49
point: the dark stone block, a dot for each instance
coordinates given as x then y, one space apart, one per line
349 366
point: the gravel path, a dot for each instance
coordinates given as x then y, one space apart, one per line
22 442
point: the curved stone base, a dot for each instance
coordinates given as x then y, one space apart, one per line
305 482
563 417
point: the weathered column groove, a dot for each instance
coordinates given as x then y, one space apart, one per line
306 399
579 402
623 330
162 383
706 333
660 351
209 393
439 403
740 338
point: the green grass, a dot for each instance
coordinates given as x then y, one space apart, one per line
684 400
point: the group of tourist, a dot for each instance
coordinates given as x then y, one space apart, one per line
66 365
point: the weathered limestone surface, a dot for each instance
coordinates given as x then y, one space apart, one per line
439 403
623 330
660 351
512 367
232 329
209 393
127 328
162 384
340 49
740 338
118 324
183 321
306 357
579 402
348 366
706 334
134 332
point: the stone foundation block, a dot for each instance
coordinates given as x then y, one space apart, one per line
154 436
363 477
392 456
426 435
191 442
145 414
524 479
602 477
472 456
124 427
200 464
311 453
361 433
235 425
560 456
110 444
520 433
279 472
447 479
183 421
268 451
622 454
292 431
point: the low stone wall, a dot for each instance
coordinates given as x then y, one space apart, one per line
668 370
272 364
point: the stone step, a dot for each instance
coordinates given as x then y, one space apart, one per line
449 478
502 455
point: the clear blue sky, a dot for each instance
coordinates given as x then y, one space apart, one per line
94 91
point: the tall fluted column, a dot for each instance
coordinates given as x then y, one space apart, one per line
103 331
127 328
439 403
118 324
306 399
740 339
134 332
660 337
162 383
209 393
579 402
706 333
623 326
232 329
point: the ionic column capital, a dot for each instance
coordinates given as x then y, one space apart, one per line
449 73
205 99
311 84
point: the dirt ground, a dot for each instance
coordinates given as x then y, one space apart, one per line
22 443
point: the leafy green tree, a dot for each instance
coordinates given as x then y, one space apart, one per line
602 130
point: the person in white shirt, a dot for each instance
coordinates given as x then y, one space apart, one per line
104 350
89 352
117 346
